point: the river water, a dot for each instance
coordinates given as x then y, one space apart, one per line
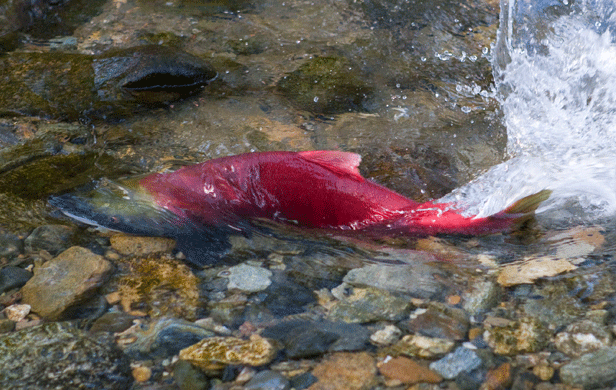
472 102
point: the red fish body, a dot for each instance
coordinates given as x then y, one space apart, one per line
317 189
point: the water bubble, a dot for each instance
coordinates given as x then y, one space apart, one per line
465 109
316 99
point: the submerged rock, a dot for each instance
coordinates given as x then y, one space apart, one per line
592 370
68 279
158 286
51 238
12 277
162 338
116 84
326 85
407 371
344 370
369 305
58 355
582 337
459 361
215 353
524 336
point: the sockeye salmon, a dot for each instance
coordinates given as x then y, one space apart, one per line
313 189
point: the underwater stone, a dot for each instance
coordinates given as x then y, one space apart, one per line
140 246
188 377
439 321
417 280
215 353
424 347
157 286
345 370
13 277
582 337
457 362
51 238
596 369
268 380
524 336
164 338
369 305
249 278
115 84
326 85
64 281
407 371
58 355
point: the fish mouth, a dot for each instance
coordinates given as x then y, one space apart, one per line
122 206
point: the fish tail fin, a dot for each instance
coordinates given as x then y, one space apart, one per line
522 211
528 204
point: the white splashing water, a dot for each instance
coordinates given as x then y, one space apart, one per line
555 74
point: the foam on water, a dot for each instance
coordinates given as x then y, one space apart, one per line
555 75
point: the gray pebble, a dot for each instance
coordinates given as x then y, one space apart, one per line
460 360
268 380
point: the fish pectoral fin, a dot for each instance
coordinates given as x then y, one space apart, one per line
528 204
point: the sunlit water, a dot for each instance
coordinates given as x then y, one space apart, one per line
556 83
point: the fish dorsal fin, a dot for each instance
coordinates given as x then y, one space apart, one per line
342 162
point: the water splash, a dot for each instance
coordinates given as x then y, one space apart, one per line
556 83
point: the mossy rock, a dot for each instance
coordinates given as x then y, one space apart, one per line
326 85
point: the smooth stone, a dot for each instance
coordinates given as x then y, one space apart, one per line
460 360
345 370
285 296
268 380
57 355
51 238
369 305
313 338
140 246
438 321
188 377
249 278
408 371
596 369
215 353
417 280
10 245
71 277
164 338
17 312
303 381
112 322
6 325
13 277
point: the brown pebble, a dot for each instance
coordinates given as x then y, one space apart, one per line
345 370
543 372
453 299
408 371
141 374
473 333
113 298
498 378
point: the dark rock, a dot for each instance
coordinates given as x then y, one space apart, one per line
13 277
306 338
303 381
51 238
165 338
6 325
188 377
113 322
326 85
268 380
58 355
10 245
